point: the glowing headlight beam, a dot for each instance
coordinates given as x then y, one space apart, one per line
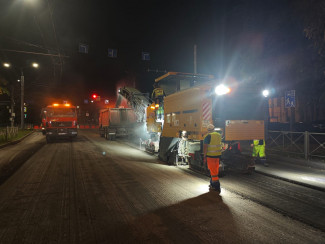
222 90
266 93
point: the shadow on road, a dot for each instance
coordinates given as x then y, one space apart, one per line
201 219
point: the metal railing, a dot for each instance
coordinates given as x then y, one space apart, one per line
8 133
308 145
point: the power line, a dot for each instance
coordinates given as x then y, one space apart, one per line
43 39
28 43
35 53
56 39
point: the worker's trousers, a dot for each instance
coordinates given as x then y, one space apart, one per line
213 166
259 151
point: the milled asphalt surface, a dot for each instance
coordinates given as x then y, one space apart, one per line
302 172
73 192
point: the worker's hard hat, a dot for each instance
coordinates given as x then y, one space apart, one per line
210 127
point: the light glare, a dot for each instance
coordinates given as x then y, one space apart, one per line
222 90
7 65
35 65
266 93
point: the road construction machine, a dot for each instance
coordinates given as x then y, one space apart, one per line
128 116
194 101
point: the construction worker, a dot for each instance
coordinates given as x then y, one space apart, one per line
259 151
158 94
212 149
183 148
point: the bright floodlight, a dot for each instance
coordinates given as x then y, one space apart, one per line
266 93
7 65
35 65
222 89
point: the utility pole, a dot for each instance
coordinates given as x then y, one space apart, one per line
12 114
195 66
22 87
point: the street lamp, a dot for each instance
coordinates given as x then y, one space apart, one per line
6 65
266 93
22 88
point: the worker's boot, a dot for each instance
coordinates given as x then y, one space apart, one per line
263 161
215 185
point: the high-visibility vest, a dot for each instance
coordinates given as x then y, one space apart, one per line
157 92
257 143
214 148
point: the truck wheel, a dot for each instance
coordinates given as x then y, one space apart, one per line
172 158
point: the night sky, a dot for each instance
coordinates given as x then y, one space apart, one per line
249 40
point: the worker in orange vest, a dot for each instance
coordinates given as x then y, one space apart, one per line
212 149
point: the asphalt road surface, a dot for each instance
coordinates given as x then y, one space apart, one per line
90 190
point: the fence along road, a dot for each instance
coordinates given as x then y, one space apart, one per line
307 145
7 133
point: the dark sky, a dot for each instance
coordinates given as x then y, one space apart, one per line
249 40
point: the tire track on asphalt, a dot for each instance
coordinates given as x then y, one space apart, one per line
82 202
103 196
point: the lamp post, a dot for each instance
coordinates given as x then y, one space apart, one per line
22 93
266 94
7 65
22 88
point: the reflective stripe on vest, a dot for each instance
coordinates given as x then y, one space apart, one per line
214 148
159 92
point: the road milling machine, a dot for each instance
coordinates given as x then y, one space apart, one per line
192 102
138 102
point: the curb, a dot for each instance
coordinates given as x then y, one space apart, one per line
298 161
295 161
291 181
16 141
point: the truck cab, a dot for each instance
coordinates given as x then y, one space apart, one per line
59 121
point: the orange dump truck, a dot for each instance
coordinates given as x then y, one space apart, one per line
59 121
116 122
